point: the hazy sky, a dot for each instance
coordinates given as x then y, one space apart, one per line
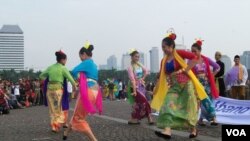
114 26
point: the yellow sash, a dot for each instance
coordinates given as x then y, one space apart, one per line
162 86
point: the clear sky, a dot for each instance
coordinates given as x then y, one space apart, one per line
114 26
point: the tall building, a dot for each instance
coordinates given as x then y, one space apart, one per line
154 60
11 48
227 61
112 62
126 60
245 59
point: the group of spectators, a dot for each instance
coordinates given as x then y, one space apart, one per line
24 93
117 90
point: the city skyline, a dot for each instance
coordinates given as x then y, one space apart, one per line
117 26
16 32
112 62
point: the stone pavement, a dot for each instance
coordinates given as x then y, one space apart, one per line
32 124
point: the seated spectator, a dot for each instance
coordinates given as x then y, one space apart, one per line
4 109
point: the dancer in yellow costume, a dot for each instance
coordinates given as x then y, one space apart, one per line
174 95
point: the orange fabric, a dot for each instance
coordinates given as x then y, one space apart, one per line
241 72
78 121
55 127
66 115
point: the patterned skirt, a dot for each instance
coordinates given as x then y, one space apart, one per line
207 107
180 108
54 97
140 108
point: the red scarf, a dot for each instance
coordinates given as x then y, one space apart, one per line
213 88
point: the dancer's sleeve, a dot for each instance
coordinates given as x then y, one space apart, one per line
82 67
68 76
215 66
44 74
186 54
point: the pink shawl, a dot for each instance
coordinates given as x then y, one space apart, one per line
87 104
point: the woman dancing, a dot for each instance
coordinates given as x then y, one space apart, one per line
206 78
137 74
57 98
90 94
174 95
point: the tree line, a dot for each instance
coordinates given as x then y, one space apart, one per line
14 76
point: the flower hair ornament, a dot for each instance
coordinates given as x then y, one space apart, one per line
199 41
87 44
60 51
171 34
132 50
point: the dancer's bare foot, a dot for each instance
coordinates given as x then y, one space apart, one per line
194 133
133 121
214 122
150 120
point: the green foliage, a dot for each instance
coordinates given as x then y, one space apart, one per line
12 75
105 74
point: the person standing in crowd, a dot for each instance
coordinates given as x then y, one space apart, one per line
89 95
236 79
17 92
174 94
37 92
206 77
57 97
120 88
125 90
137 74
17 95
22 92
111 87
41 101
219 77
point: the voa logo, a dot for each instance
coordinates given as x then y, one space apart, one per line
236 132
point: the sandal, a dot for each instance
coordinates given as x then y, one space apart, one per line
160 134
